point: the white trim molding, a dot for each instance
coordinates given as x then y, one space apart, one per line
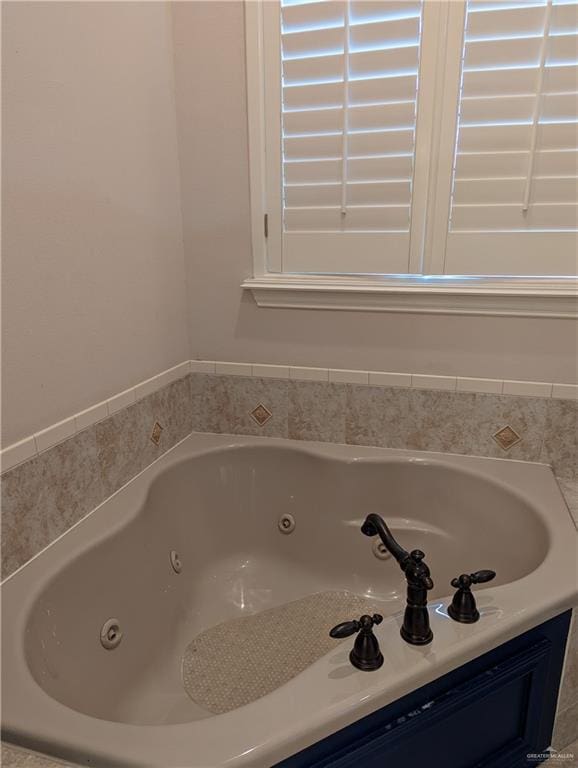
467 295
434 287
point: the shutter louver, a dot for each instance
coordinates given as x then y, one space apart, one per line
349 91
515 186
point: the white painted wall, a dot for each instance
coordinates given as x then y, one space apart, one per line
227 325
93 272
94 294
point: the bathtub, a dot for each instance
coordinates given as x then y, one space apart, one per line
217 501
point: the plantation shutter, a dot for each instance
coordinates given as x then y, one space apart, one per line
348 120
515 192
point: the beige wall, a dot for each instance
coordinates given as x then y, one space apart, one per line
226 325
93 273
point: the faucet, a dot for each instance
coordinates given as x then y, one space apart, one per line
415 628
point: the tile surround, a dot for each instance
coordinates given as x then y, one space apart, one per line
389 417
25 449
378 379
489 386
433 382
565 727
91 416
349 377
14 454
565 391
16 757
308 374
374 416
528 388
271 371
569 489
116 446
122 400
47 489
44 496
224 404
560 445
55 434
316 411
234 369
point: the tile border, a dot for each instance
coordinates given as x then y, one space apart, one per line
42 440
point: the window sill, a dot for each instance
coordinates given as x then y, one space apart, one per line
470 295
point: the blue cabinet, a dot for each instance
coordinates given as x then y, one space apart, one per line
489 713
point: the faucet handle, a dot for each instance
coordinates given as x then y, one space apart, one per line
463 606
467 579
365 654
347 628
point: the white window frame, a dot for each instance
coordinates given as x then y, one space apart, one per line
437 294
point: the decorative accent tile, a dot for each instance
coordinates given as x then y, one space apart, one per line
156 433
123 440
171 407
443 421
560 445
484 415
506 437
223 404
317 411
261 414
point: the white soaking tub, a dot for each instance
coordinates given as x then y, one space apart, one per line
217 502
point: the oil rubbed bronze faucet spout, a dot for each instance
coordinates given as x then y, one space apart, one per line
416 628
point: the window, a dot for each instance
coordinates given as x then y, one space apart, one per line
349 95
415 143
